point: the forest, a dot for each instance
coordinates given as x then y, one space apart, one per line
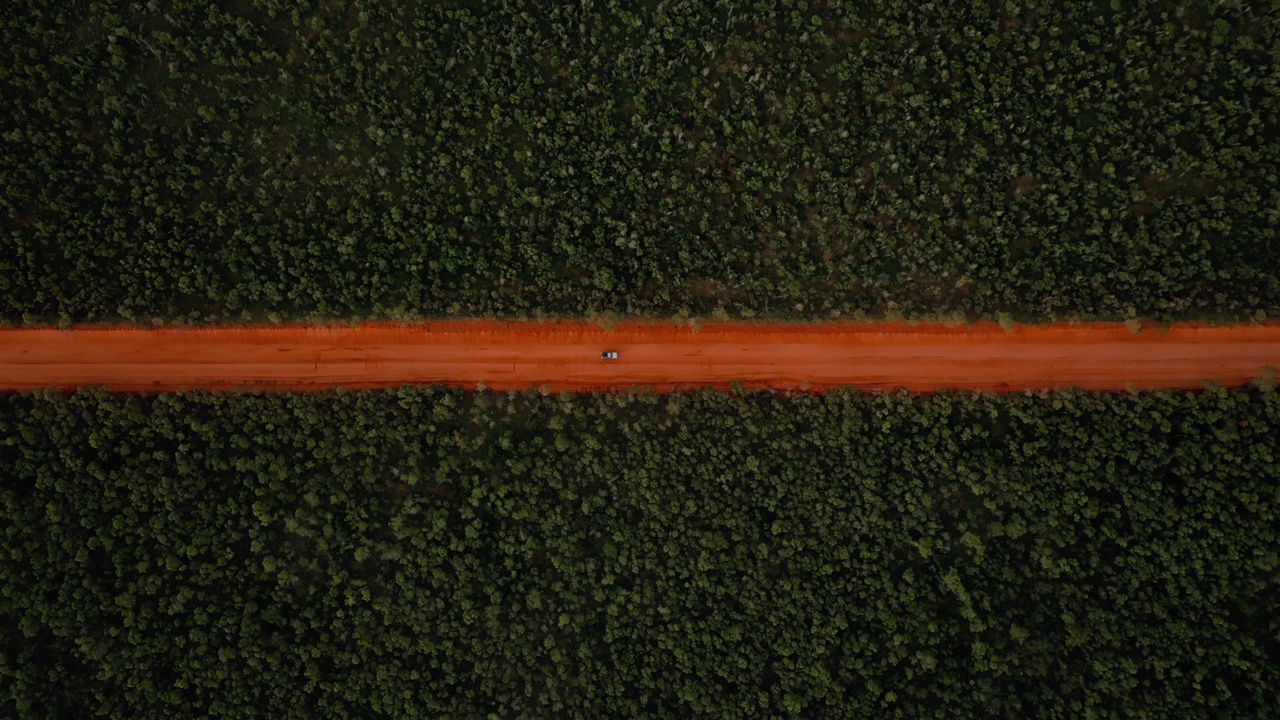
256 160
424 552
430 552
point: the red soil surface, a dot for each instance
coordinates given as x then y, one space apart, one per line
566 356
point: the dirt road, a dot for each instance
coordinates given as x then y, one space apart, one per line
566 356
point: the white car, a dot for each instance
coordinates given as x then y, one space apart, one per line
609 355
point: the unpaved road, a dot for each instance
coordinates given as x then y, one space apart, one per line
566 356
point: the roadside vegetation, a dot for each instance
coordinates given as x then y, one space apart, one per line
422 552
259 160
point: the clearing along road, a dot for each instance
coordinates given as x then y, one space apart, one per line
663 356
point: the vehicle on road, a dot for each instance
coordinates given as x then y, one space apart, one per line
609 355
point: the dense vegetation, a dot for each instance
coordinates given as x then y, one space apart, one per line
422 553
235 159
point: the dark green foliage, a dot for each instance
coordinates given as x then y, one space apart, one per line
253 159
423 553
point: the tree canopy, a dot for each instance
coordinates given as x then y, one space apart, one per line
257 160
422 552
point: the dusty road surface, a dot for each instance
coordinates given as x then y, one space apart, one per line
566 356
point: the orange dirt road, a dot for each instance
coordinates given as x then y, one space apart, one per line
566 356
